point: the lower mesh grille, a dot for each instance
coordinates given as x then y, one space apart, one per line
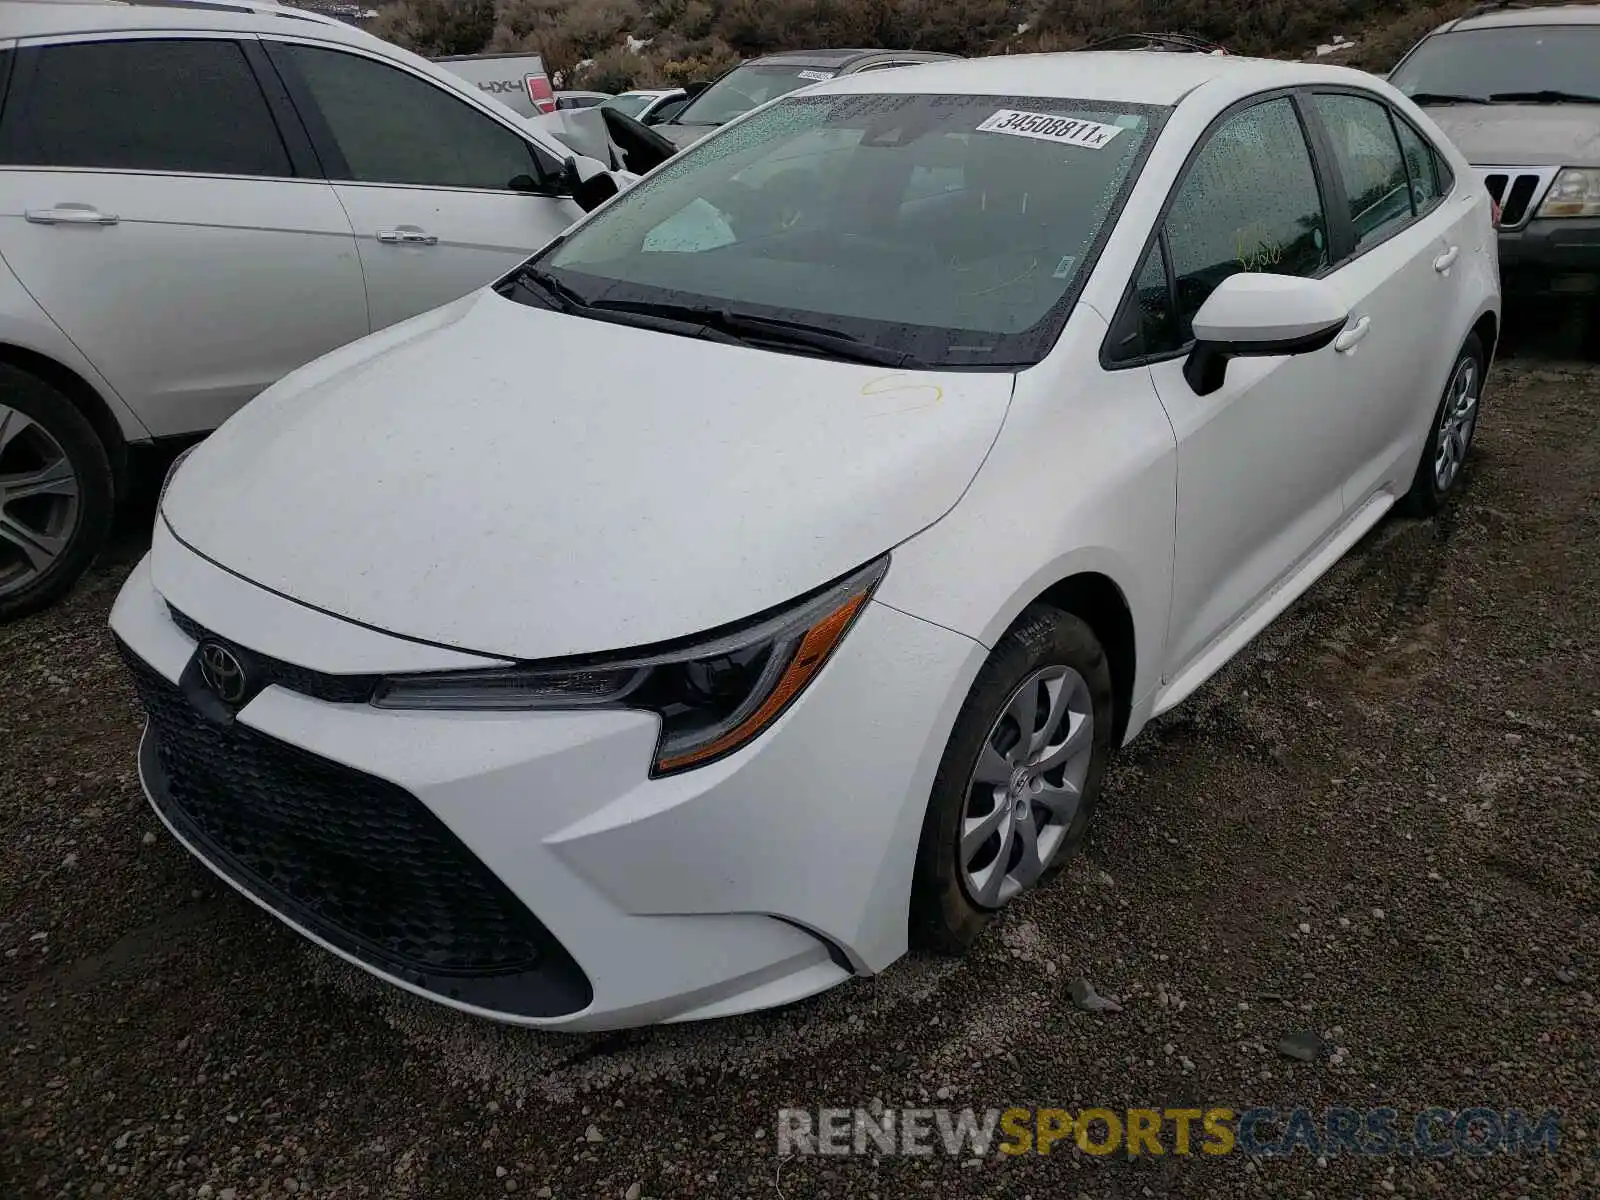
356 860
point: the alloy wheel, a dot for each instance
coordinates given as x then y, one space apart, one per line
1027 785
1456 424
39 500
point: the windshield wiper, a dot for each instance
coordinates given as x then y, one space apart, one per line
557 294
753 329
1446 98
1543 96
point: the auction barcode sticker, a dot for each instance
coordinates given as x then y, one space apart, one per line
1068 131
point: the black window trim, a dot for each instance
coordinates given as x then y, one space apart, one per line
1315 149
326 146
28 53
8 59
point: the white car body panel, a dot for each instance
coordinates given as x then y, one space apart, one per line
757 489
27 327
238 281
458 501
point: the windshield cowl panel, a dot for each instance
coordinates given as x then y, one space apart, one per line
937 230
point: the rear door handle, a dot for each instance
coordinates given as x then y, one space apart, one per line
407 235
70 214
1445 261
1347 340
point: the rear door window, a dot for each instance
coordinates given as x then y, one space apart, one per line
1370 164
1418 158
154 104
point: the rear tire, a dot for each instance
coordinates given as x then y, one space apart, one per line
56 494
1455 420
1051 669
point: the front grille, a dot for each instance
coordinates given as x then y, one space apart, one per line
1518 192
355 859
337 689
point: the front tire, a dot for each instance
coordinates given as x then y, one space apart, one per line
1019 779
1455 420
55 493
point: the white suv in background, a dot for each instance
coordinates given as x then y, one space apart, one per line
195 199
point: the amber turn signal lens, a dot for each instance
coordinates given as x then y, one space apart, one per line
813 652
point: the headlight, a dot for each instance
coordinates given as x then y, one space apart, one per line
713 695
172 471
1575 193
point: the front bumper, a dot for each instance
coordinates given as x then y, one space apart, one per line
523 866
1559 257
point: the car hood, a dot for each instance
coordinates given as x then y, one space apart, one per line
1517 135
524 483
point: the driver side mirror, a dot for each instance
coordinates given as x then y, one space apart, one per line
1260 316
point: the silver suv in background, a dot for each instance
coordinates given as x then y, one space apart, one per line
196 199
1518 90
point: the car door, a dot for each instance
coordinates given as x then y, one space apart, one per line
1262 459
443 196
155 209
1395 279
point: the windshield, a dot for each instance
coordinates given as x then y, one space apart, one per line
631 103
1480 63
745 87
951 229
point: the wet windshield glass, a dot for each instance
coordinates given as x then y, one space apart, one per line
952 228
1481 63
742 89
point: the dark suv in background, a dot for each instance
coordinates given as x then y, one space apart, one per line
1518 90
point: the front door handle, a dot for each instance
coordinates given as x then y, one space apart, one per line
1445 261
407 235
1347 340
70 214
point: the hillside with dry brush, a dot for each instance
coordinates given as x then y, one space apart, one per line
615 44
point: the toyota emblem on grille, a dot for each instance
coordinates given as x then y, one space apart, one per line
223 672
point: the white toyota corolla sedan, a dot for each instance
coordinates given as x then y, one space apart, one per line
754 583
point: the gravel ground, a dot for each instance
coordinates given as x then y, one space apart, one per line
1380 825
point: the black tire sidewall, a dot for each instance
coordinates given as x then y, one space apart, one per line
1425 496
71 429
943 918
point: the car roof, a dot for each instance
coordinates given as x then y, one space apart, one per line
46 18
843 57
1501 16
1128 76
